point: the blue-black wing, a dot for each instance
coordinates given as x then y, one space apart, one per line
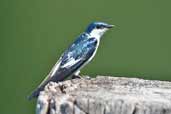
78 54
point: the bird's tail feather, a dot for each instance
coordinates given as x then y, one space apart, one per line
34 94
59 76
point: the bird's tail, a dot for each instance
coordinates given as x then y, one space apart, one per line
59 76
34 94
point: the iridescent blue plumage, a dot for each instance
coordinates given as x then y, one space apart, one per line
81 50
78 54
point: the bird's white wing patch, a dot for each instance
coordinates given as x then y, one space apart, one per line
56 66
70 63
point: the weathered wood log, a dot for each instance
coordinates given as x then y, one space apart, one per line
106 95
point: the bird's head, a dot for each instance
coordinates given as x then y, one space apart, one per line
97 29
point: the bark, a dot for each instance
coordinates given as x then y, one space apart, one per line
106 95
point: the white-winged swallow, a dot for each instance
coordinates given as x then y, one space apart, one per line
78 54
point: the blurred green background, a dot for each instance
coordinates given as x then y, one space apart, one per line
34 33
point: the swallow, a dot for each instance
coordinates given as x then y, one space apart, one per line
76 56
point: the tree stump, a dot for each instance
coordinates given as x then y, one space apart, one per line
106 95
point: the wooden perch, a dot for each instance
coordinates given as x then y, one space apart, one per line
106 95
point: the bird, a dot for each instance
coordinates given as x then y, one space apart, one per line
76 56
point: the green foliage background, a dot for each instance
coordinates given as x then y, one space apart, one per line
34 33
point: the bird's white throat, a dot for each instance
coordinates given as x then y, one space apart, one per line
97 33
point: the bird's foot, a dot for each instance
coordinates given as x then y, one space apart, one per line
76 77
79 77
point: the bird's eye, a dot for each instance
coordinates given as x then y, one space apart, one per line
98 27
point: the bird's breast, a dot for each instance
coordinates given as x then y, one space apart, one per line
94 53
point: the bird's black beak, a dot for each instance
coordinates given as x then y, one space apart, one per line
109 26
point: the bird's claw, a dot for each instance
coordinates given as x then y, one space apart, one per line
79 77
76 77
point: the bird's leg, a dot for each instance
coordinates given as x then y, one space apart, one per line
76 75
